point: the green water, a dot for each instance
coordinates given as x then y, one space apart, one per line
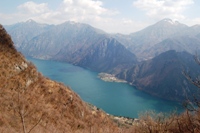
114 98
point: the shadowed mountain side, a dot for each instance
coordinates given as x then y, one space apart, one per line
162 76
106 55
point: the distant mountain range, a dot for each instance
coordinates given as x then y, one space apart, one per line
151 59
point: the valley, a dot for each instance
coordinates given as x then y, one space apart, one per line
100 66
53 105
150 59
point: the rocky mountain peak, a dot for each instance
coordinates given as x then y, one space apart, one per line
169 23
30 21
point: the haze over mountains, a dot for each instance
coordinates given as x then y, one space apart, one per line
73 42
163 36
139 57
31 102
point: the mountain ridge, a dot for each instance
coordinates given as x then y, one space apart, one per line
139 43
144 41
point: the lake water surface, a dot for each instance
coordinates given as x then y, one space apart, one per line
114 98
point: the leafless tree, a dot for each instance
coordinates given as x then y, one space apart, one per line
24 111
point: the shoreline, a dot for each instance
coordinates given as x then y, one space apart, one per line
120 120
110 78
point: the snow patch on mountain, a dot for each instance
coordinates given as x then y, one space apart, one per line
173 22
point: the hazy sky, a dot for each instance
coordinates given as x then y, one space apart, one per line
113 16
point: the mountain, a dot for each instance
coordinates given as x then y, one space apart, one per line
76 43
162 76
27 36
160 37
105 55
69 35
157 32
31 102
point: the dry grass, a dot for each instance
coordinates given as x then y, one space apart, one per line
160 123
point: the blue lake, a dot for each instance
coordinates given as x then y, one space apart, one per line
114 98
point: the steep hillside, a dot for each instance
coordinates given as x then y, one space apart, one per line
105 55
162 76
30 102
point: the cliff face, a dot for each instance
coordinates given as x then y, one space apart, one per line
31 102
